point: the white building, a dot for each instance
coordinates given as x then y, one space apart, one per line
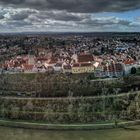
128 65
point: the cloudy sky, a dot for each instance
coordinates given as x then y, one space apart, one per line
69 15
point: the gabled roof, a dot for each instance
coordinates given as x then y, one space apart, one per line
42 59
85 58
53 60
76 65
114 67
129 62
27 67
86 64
82 65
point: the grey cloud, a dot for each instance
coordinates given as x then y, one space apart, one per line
62 15
137 18
19 23
82 6
65 15
105 21
53 18
88 23
1 17
36 15
18 14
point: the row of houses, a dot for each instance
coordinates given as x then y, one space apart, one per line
77 64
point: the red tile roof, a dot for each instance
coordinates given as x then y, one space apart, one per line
114 68
86 65
53 61
85 58
42 59
82 64
28 67
129 62
76 65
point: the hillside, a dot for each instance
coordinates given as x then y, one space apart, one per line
61 85
68 99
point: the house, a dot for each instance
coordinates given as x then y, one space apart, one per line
51 62
41 51
85 58
114 69
99 71
58 67
128 64
41 59
25 59
82 58
27 68
67 68
75 58
39 68
31 60
42 69
50 69
78 68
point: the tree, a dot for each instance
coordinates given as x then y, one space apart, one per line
133 70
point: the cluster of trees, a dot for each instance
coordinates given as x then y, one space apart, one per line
72 110
62 85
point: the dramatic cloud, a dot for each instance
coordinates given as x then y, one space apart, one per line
63 15
84 6
1 17
67 15
105 21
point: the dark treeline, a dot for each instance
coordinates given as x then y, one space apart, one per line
63 85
